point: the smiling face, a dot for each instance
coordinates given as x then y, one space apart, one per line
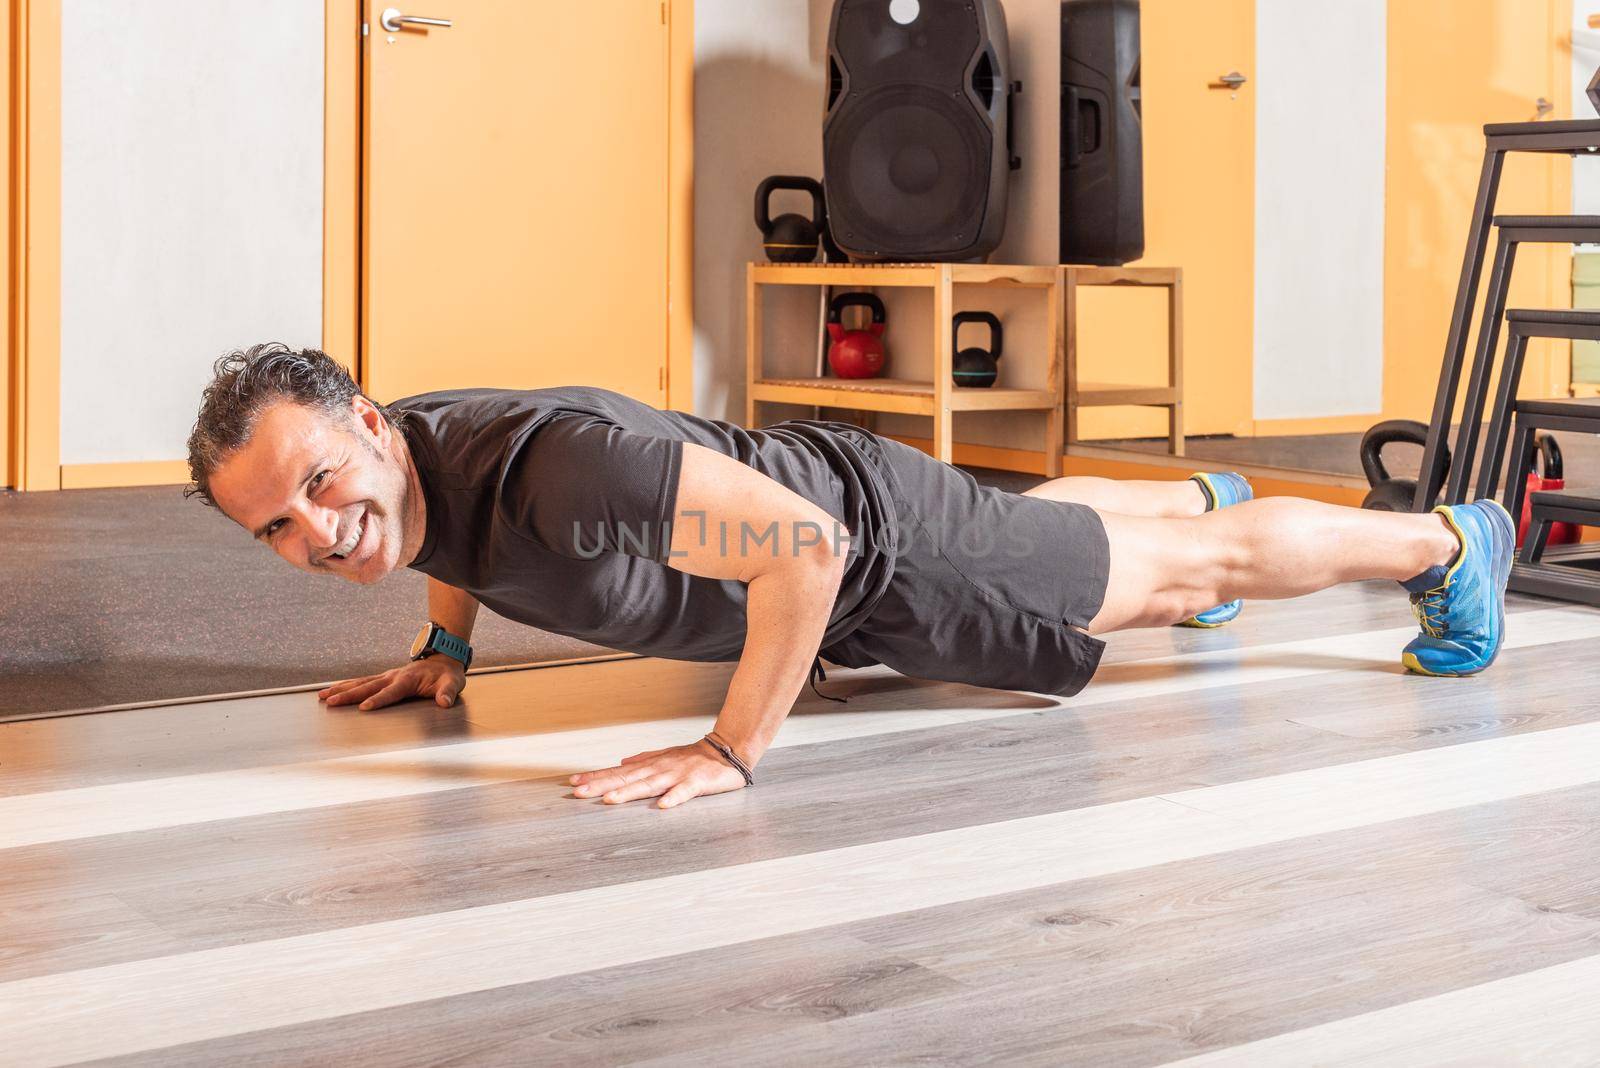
332 497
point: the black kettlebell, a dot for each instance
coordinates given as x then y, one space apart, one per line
1391 494
790 238
976 367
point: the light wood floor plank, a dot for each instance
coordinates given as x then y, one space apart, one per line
143 805
1370 791
1548 1018
1564 878
758 991
79 928
125 1008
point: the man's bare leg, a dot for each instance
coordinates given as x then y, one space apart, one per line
1169 500
1164 570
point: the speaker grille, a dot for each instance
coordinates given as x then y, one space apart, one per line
908 165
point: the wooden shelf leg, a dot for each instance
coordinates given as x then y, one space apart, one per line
752 343
1069 330
1175 363
943 367
1053 418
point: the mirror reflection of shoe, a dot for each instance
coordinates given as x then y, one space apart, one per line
1462 606
1221 490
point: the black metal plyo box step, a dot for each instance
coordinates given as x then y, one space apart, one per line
1570 407
1564 229
1574 507
1567 577
1570 572
1561 316
1581 222
1556 126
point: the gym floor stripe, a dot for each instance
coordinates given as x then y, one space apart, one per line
142 805
1546 1017
191 997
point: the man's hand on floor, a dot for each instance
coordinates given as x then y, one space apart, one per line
439 677
675 775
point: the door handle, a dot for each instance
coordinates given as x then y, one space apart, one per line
392 20
1231 80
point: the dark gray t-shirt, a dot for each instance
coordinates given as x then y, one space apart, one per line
551 507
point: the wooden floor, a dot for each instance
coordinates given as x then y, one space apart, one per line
1256 845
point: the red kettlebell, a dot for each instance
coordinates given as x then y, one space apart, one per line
856 353
1553 478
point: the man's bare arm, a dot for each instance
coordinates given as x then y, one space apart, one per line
733 522
781 546
454 610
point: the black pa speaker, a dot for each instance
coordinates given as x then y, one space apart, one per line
1102 172
916 151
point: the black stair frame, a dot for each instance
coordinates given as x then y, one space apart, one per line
1520 326
1570 137
1563 583
1522 448
1532 570
1549 507
1513 230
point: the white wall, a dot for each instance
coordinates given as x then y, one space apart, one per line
191 197
1585 58
1320 125
758 97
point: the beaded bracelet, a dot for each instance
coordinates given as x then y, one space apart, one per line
732 758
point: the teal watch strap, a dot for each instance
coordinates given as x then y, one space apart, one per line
442 641
450 645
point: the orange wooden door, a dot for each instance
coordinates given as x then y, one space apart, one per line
8 356
1199 203
1455 65
515 198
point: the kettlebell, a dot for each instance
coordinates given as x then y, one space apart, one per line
976 367
1548 458
790 238
1391 494
856 353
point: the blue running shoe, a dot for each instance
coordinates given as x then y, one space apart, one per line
1220 490
1462 606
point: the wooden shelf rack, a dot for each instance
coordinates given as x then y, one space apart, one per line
940 398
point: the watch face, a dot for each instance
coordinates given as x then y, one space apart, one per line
420 645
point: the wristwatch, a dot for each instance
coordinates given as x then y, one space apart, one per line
433 638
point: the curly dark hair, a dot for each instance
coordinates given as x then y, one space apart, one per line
248 381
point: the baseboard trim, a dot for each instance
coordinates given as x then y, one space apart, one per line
1081 459
1323 424
128 473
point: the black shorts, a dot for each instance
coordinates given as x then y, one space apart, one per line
989 588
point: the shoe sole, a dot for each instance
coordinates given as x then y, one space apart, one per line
1198 624
1413 665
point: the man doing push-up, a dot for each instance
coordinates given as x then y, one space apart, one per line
592 515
